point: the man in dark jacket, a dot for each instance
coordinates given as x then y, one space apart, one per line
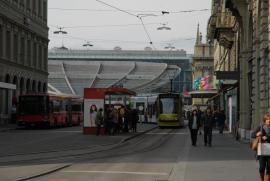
208 121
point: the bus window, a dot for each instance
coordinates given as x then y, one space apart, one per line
34 105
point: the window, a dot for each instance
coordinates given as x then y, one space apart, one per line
8 43
28 4
15 47
45 59
22 50
39 8
35 55
1 41
40 57
44 10
29 62
34 6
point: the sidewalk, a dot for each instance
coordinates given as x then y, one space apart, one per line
7 127
226 160
24 172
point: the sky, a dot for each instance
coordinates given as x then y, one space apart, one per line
105 27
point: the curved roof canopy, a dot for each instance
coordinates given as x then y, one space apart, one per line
71 77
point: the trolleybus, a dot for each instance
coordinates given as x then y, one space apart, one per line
48 110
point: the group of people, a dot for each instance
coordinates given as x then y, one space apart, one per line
116 121
207 120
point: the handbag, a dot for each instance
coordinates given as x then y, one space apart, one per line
254 143
263 149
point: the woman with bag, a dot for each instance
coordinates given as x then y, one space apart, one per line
262 133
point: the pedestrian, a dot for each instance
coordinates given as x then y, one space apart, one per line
208 121
99 120
146 116
221 121
263 132
200 114
194 124
134 120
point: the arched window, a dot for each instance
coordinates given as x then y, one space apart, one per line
39 86
34 86
28 86
22 85
44 87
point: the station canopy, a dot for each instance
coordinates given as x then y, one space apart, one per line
71 77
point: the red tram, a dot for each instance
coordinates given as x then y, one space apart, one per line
49 110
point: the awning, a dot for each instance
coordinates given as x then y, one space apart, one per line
203 93
4 85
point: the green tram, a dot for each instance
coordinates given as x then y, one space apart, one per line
169 110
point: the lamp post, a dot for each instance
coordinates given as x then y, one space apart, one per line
171 75
170 47
60 31
88 44
164 27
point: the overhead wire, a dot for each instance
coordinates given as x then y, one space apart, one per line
146 11
116 8
101 26
135 15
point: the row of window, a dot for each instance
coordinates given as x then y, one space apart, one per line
23 50
35 7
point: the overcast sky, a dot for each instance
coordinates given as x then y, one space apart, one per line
105 27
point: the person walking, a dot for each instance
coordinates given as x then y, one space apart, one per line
208 121
221 121
263 132
200 114
134 121
194 124
99 120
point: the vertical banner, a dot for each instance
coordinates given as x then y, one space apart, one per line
91 106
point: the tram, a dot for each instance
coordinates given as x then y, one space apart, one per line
169 110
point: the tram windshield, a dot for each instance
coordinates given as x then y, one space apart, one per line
168 106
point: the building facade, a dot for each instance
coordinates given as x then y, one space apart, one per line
240 30
23 48
202 71
181 83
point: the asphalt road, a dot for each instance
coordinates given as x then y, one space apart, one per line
159 155
152 156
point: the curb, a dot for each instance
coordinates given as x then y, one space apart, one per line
138 134
44 173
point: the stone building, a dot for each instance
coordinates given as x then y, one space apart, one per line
23 49
239 30
202 66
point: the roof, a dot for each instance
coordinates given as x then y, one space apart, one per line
71 77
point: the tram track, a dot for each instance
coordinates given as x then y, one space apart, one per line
115 150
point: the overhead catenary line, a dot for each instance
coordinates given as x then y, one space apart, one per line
145 11
137 16
117 8
102 26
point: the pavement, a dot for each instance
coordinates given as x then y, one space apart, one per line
23 171
7 127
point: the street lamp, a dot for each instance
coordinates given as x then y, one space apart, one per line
169 47
171 75
164 27
61 32
88 44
